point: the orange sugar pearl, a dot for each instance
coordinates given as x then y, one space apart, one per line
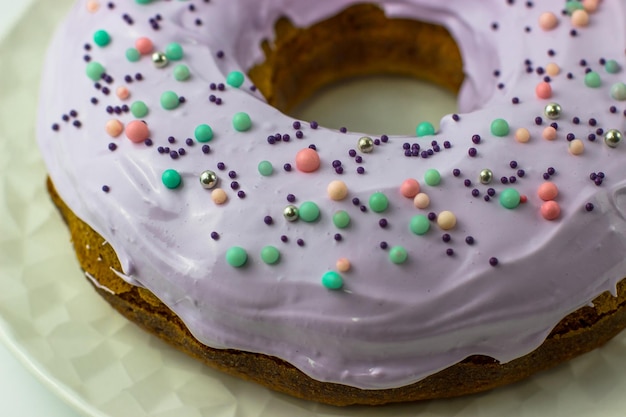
549 133
576 147
114 128
421 201
219 196
410 188
543 90
550 210
547 191
122 93
137 131
144 46
591 6
337 190
548 21
93 6
580 18
343 265
522 135
553 69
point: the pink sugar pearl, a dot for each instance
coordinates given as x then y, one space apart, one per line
137 131
550 210
549 133
547 191
144 46
307 160
410 188
543 90
548 21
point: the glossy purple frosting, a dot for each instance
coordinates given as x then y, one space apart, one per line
389 325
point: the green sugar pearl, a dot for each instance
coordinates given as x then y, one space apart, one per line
432 177
235 79
171 178
169 100
101 38
510 198
236 256
341 219
592 79
143 1
425 129
500 127
94 70
265 168
133 55
174 52
332 280
378 202
181 72
203 133
611 66
139 109
398 255
618 91
419 224
242 122
270 255
309 211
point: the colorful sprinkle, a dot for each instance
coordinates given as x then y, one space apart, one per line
307 160
398 255
270 255
378 202
242 122
236 256
309 211
419 224
171 178
332 280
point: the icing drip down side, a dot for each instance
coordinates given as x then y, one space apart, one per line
379 289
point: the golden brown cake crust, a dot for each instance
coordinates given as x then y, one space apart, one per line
579 332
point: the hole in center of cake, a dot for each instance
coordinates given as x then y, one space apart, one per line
377 104
412 69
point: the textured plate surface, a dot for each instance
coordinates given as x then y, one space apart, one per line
54 322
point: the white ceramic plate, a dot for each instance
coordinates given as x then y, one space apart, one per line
103 365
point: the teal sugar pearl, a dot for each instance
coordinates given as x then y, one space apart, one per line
236 256
593 80
143 1
171 178
500 127
169 100
309 211
611 66
94 70
203 133
265 168
242 122
270 255
510 198
419 225
133 55
101 38
174 51
181 72
332 280
425 129
398 255
139 109
235 79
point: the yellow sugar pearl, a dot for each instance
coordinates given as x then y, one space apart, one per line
576 147
337 190
343 265
219 196
553 69
522 135
114 128
421 201
446 220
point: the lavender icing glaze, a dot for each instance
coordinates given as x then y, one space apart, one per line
390 325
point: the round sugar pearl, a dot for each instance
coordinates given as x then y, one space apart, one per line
547 191
550 210
591 5
549 133
410 188
307 160
446 220
114 128
421 201
137 131
144 46
576 147
219 196
337 190
553 69
122 93
543 90
548 21
343 265
580 18
522 135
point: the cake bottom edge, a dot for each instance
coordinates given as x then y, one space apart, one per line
581 331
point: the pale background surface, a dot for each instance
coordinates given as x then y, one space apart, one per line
99 362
